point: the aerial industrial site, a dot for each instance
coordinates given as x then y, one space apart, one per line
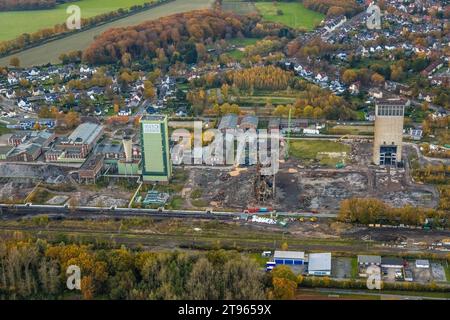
306 142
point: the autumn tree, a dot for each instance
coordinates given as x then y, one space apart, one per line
72 119
261 77
126 59
226 108
203 281
349 76
335 11
125 78
283 289
308 112
15 62
397 73
317 113
284 283
377 79
149 90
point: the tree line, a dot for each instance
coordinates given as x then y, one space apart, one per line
374 211
37 270
17 5
261 78
10 5
334 7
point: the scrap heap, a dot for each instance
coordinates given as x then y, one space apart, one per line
264 186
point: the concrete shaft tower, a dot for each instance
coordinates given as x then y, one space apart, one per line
387 144
156 164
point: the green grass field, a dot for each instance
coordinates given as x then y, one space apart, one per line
15 23
295 15
4 129
240 43
238 6
243 42
356 130
354 268
309 149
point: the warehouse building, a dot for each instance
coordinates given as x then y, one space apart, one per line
289 257
30 147
85 136
295 124
394 263
367 260
319 264
111 151
249 122
228 122
17 138
77 146
26 152
91 169
422 264
4 151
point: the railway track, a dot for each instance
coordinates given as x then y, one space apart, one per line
15 211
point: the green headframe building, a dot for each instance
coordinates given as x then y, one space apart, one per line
156 165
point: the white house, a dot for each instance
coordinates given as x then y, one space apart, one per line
12 80
376 93
354 88
33 72
10 94
22 103
37 92
321 78
125 112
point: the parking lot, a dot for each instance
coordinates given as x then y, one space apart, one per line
341 267
388 274
421 275
438 272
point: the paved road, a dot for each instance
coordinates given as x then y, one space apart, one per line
49 52
418 103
